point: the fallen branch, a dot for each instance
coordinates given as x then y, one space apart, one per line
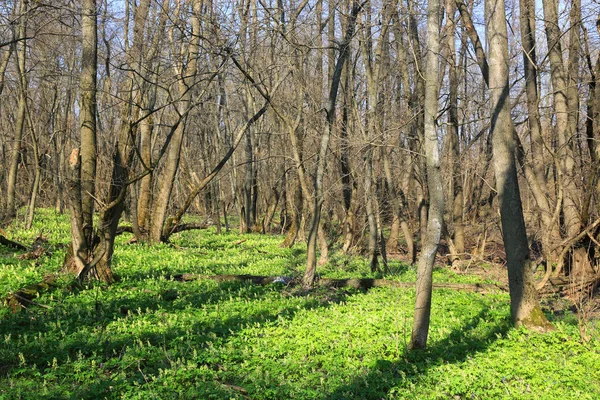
9 243
189 227
568 244
358 283
178 228
569 286
26 300
366 283
124 228
255 279
23 297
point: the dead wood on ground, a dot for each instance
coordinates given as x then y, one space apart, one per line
12 244
358 283
23 298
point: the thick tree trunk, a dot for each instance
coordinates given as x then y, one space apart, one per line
525 308
420 329
91 253
82 162
87 117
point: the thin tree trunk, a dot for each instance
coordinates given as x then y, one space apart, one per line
562 108
416 100
296 206
403 212
37 172
536 175
458 238
311 260
370 210
167 178
348 185
3 66
20 122
248 178
374 60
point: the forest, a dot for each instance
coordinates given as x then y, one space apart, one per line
312 199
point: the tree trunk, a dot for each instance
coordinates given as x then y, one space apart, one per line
348 185
37 174
92 251
296 206
458 238
374 60
311 254
248 179
435 221
562 108
525 308
81 260
536 175
11 206
187 76
416 100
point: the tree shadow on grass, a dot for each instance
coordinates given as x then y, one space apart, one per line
133 338
412 369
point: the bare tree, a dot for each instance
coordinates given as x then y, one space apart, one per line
311 260
435 219
525 308
21 53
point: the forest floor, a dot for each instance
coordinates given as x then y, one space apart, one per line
150 336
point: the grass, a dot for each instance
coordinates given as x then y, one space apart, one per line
148 337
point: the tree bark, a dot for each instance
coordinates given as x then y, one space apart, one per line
458 238
562 109
187 75
21 52
525 308
92 250
311 259
536 175
420 329
82 161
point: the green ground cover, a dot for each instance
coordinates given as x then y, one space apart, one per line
150 337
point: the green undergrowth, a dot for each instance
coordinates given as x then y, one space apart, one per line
150 337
